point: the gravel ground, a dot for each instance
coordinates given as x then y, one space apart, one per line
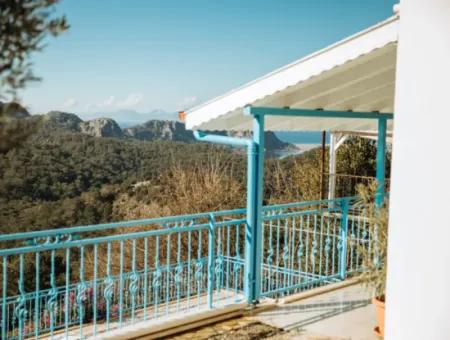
236 329
246 328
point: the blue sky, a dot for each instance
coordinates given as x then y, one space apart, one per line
166 54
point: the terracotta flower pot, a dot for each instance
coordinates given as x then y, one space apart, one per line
378 302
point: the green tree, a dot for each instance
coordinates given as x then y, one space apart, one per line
24 25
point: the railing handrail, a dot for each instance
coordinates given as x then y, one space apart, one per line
111 238
148 221
114 225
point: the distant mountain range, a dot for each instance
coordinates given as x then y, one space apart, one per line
151 130
127 118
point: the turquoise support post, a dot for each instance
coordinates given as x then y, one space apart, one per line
253 246
253 231
381 156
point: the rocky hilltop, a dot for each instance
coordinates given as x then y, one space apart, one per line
161 130
61 121
176 131
101 127
57 121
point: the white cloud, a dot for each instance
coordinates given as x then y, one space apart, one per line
187 103
131 101
70 103
108 102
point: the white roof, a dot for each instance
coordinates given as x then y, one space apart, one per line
357 73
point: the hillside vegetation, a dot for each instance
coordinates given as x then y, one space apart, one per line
57 180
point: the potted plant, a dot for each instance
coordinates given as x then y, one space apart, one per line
374 251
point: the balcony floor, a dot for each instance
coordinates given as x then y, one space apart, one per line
346 313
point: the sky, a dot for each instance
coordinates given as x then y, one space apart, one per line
171 55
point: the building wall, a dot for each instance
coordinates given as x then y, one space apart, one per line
418 287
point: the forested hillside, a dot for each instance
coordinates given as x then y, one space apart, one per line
68 179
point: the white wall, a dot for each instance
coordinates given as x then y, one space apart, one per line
418 290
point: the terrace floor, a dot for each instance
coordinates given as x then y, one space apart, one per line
346 313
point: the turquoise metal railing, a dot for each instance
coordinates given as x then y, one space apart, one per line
106 276
81 281
309 244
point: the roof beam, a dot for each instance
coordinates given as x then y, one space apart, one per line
274 111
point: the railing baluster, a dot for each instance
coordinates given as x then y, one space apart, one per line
218 271
352 244
121 285
236 266
178 272
169 242
52 294
270 257
199 268
108 291
36 297
156 278
335 236
4 295
321 243
189 272
211 261
20 311
285 267
145 277
67 295
81 292
134 281
327 245
292 258
367 236
358 240
314 247
94 290
308 231
277 255
300 251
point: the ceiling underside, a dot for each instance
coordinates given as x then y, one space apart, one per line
357 74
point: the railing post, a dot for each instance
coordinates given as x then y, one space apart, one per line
211 260
253 239
343 239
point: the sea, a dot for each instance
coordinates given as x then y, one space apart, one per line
303 141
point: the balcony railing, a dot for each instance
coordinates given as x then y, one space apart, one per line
82 281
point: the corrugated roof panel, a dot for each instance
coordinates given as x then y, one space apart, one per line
356 74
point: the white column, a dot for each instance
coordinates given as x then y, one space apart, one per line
418 282
336 140
332 167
